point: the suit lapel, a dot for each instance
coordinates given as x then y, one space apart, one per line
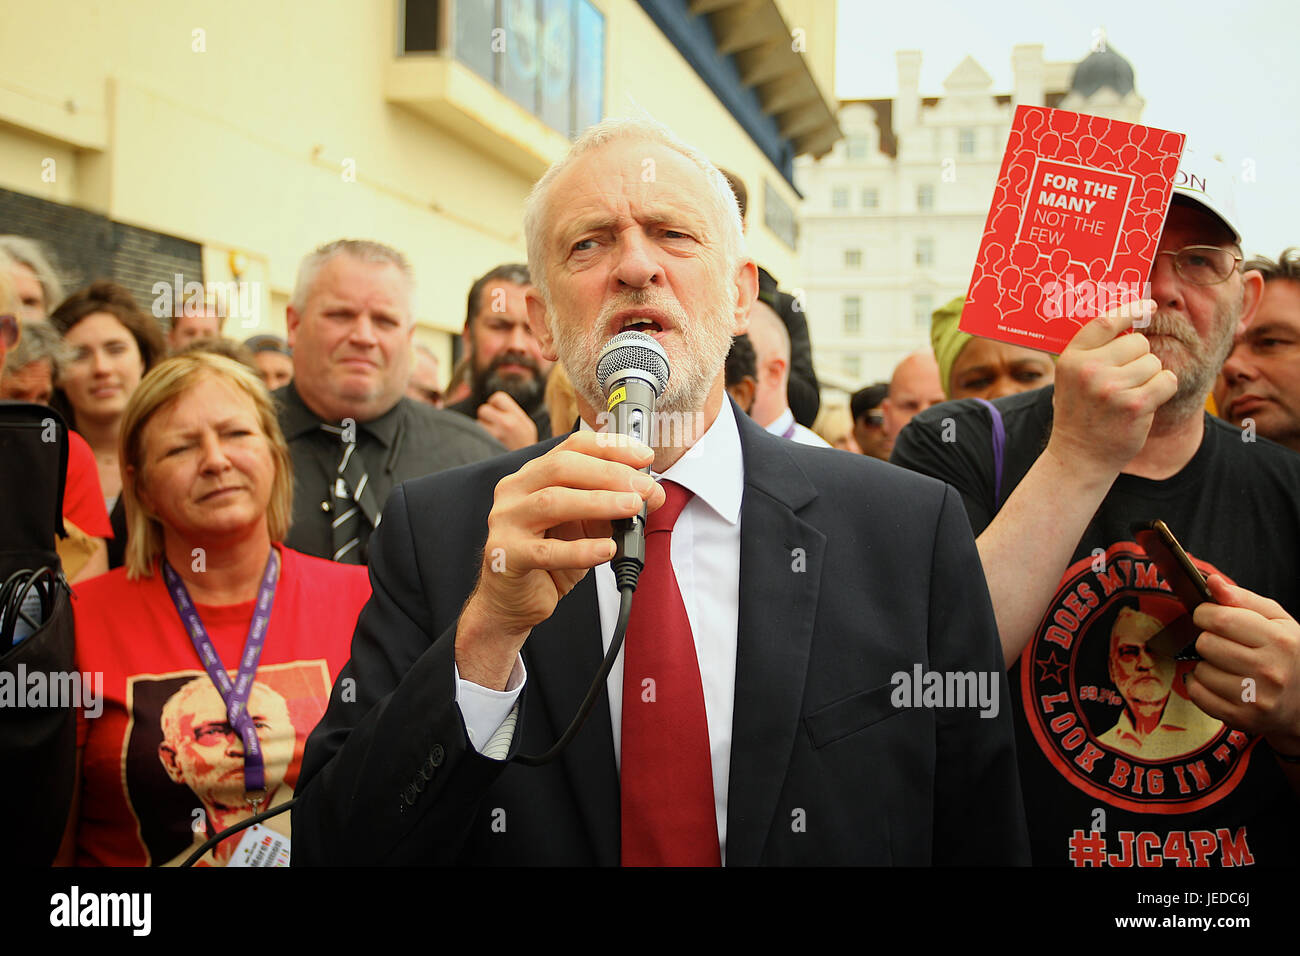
780 571
563 655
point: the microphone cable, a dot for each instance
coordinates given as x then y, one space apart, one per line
627 570
633 372
14 592
229 831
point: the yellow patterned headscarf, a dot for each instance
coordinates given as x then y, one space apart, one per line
947 339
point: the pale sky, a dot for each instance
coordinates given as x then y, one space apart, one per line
1224 72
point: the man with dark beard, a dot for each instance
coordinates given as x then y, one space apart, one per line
1123 438
783 585
509 370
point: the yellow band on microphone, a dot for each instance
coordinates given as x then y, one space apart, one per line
618 395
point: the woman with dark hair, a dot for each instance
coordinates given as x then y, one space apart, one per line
113 343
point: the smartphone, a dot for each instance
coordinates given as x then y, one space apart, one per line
1185 580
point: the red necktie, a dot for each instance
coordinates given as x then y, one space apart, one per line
666 776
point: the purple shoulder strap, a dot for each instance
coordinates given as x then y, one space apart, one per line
999 443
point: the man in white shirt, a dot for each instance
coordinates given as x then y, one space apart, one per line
771 405
809 584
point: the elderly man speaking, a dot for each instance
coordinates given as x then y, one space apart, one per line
753 714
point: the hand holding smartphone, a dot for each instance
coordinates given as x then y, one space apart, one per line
1185 580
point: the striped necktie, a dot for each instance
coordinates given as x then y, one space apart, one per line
355 511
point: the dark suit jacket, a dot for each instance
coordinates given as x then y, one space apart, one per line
851 570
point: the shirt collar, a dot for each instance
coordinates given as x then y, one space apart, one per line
298 419
782 423
713 468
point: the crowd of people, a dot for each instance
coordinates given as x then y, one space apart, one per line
224 499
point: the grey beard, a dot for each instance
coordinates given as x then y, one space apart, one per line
1195 382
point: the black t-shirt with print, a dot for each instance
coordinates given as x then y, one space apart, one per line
1119 767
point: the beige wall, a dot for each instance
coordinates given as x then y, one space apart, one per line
247 144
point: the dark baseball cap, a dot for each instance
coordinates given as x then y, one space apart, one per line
865 399
268 343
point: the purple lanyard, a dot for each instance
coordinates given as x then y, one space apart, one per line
234 694
789 431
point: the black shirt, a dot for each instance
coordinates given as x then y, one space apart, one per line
409 440
1190 789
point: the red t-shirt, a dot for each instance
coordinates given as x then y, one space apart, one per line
161 769
83 496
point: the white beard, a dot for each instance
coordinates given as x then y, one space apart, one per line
696 351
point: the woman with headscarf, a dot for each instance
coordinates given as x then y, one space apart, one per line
974 367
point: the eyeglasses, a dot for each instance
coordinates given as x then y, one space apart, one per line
9 330
1203 265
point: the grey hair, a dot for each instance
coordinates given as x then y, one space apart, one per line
39 340
28 252
364 250
639 128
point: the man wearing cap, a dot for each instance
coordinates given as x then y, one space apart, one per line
869 421
1123 438
273 358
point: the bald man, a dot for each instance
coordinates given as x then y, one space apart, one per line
914 388
771 407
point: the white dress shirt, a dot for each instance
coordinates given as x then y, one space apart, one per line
805 436
706 559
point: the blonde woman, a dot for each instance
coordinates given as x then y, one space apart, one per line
217 644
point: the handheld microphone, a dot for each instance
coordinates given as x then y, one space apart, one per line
633 372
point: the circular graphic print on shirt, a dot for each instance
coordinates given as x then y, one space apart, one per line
1105 696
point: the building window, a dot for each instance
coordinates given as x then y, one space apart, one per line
546 55
420 26
925 198
922 307
925 252
852 365
852 314
853 258
870 199
856 147
840 197
966 142
778 216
